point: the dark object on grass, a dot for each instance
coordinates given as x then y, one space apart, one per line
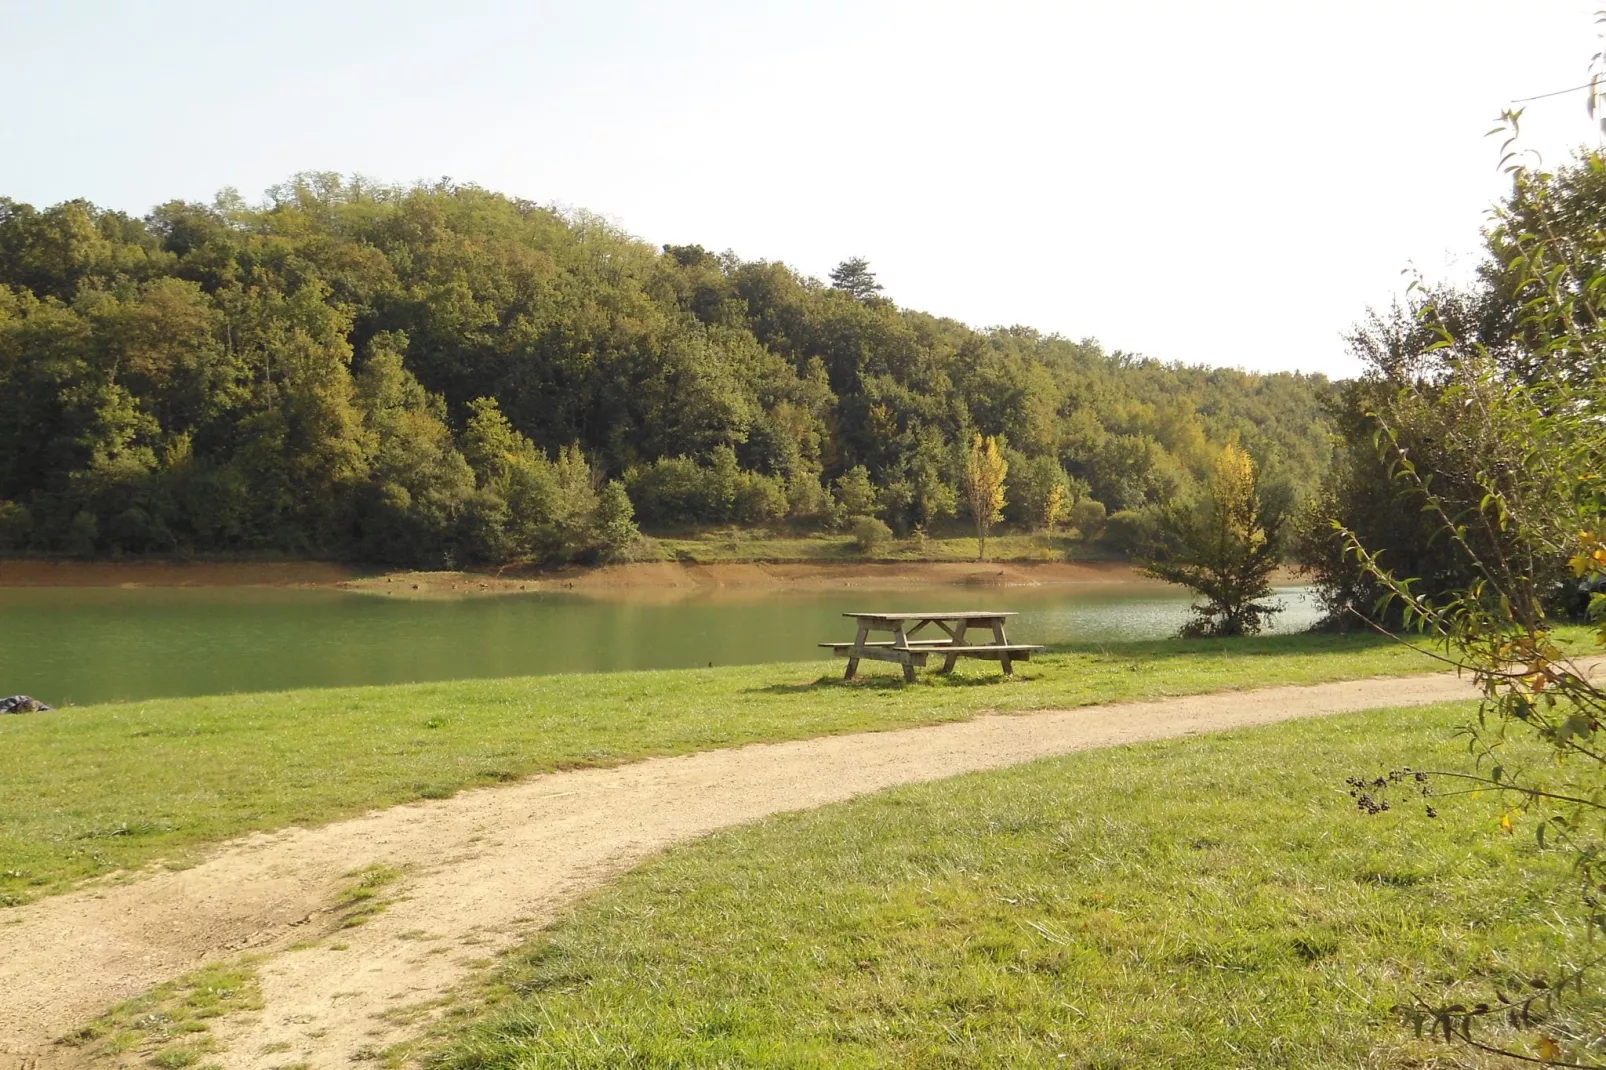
23 704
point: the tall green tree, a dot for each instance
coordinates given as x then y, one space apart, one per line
419 483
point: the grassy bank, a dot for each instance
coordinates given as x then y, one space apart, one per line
754 546
1206 902
98 788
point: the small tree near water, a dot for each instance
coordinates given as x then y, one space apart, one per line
1224 546
985 469
616 530
1056 507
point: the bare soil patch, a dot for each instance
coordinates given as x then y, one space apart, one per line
670 581
666 580
42 572
484 868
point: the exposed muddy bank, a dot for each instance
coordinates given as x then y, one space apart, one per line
668 579
47 572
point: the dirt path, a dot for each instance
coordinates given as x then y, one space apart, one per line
484 867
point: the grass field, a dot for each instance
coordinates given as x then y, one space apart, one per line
741 545
1208 902
99 788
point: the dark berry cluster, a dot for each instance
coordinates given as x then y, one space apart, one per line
1370 794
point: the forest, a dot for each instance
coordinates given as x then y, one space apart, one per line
438 373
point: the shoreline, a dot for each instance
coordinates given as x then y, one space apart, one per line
673 579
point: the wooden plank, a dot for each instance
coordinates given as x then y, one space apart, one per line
1003 654
932 646
900 642
966 615
914 644
925 649
951 658
984 654
897 657
858 649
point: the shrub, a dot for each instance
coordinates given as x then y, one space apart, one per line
855 494
1129 530
869 534
676 491
760 499
615 529
1087 517
1041 493
669 491
16 526
483 528
82 534
805 498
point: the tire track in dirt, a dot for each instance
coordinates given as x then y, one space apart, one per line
487 866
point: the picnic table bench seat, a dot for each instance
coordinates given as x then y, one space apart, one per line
1018 651
910 653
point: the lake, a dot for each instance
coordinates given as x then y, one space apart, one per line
76 645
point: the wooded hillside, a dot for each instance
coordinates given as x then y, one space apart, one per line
428 373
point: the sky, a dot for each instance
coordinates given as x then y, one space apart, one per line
1213 181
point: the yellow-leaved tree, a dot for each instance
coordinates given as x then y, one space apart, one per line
985 469
1057 507
1225 544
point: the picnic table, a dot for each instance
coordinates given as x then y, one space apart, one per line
905 650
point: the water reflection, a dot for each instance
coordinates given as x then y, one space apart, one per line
80 645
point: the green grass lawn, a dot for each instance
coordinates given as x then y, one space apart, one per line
1209 902
97 788
743 545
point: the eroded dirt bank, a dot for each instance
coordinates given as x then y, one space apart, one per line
486 867
646 579
41 572
671 580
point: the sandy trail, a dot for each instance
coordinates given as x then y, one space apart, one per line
486 866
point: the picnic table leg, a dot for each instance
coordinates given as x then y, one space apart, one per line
858 645
949 660
1003 656
901 641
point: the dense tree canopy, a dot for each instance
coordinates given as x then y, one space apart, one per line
437 372
1406 405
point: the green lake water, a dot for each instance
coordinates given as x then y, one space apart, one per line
83 645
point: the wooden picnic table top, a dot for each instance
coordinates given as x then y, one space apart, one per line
965 615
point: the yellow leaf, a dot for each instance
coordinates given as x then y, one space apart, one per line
1549 1049
1505 822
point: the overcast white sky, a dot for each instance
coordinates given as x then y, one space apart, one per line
1229 182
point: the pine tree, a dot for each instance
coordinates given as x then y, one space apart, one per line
854 276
